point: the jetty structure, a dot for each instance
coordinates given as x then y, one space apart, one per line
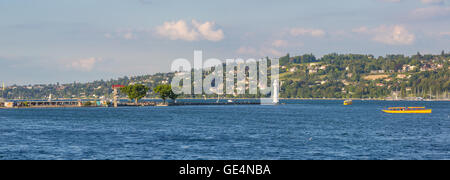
116 94
55 103
275 92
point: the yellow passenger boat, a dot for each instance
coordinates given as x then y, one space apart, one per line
407 110
348 102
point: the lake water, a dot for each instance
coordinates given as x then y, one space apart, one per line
296 130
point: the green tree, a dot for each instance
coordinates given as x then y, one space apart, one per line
284 60
135 92
165 91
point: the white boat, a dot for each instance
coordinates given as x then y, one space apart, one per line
162 104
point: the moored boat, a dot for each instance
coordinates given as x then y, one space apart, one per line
348 102
407 110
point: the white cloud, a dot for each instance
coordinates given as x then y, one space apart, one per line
271 52
432 1
127 34
108 36
177 30
247 50
431 12
395 35
307 32
280 43
445 33
180 30
86 64
261 52
392 35
362 29
207 31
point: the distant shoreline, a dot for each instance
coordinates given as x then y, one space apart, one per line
343 99
147 99
143 103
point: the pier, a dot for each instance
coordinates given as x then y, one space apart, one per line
96 103
213 104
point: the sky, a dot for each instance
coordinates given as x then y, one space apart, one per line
50 41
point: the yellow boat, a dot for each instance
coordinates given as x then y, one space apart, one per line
348 102
407 110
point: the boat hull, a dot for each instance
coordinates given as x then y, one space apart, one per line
426 111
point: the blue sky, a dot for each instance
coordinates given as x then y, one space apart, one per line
49 41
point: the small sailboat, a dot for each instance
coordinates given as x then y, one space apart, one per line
407 110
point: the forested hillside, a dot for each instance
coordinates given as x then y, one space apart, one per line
306 76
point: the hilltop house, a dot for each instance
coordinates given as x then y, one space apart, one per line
377 72
312 71
407 68
293 69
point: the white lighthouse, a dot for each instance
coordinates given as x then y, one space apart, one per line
276 90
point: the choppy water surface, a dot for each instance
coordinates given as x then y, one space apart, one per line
296 130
